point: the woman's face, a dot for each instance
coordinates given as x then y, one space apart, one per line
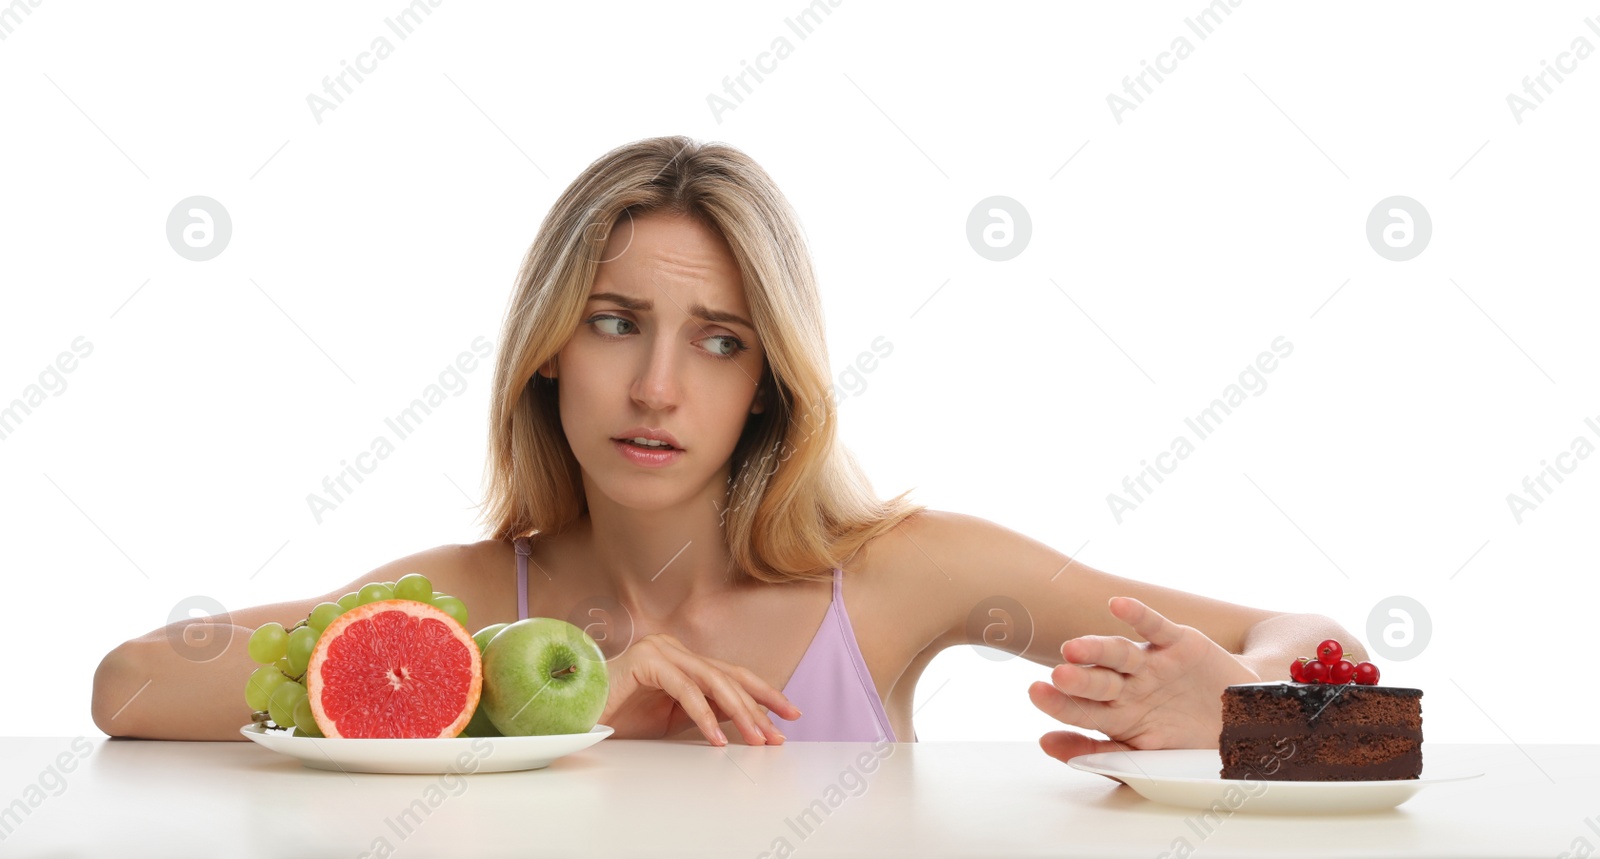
665 342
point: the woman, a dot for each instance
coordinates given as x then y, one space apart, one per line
663 459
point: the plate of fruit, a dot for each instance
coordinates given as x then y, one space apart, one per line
388 680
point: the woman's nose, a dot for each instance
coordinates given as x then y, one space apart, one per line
657 384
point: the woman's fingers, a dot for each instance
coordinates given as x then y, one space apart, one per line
1091 682
750 719
762 691
1146 621
1108 651
1070 709
677 683
1066 745
749 691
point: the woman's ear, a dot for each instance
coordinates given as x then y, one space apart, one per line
548 369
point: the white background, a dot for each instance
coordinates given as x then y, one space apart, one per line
1226 210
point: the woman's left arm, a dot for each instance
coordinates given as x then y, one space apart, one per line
1143 664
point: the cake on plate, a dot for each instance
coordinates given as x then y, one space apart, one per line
1316 729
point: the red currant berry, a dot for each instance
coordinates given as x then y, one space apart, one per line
1296 669
1367 674
1342 671
1330 651
1315 672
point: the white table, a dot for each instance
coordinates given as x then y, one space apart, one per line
620 797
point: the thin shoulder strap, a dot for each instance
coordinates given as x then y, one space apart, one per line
523 551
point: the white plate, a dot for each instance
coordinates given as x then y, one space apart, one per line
458 755
1189 778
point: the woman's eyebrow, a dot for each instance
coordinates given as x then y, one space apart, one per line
698 311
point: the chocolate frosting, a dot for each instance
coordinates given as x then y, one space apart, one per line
1315 697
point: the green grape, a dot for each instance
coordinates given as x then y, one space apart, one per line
376 591
452 606
283 666
259 688
323 615
436 595
305 724
414 586
301 642
267 642
284 699
350 600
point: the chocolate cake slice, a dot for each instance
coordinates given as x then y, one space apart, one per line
1278 731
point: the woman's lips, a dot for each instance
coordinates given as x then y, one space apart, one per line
646 457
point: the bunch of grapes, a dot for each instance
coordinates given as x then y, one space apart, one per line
277 689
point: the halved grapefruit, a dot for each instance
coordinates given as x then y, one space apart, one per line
394 668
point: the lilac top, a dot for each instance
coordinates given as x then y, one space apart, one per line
831 686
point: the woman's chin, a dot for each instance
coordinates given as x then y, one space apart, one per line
645 493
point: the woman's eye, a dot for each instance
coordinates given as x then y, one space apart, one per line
601 321
722 345
725 346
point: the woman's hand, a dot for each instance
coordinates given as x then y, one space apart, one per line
1163 694
659 688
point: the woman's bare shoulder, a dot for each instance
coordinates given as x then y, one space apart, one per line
490 554
490 568
487 581
891 567
918 569
901 606
909 547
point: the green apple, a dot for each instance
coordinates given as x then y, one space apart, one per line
543 676
485 635
480 726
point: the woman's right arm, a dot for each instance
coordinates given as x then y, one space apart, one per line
147 688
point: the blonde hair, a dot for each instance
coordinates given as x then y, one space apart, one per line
798 504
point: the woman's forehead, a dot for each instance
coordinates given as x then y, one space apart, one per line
672 257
